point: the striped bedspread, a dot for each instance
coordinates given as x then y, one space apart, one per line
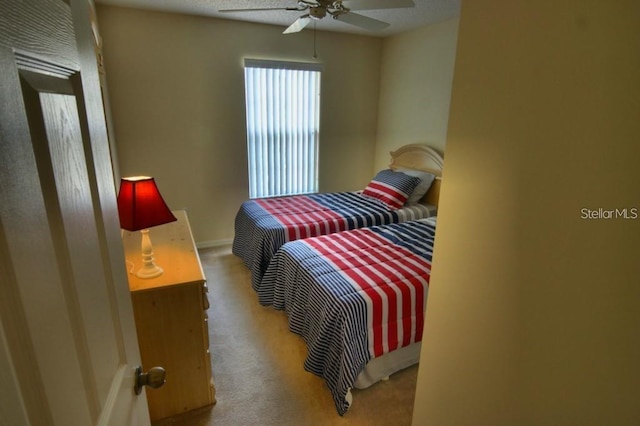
353 296
263 225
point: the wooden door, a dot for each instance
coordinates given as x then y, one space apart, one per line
68 348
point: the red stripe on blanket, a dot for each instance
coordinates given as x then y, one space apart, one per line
392 280
303 217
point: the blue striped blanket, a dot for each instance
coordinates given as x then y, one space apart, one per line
263 225
352 296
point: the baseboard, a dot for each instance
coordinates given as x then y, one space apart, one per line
214 243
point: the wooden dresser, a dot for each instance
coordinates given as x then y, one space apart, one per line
171 318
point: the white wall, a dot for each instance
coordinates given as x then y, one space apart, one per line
533 314
415 89
176 87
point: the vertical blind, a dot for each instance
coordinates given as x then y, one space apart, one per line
283 120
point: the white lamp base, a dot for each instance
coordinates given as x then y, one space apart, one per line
149 268
149 272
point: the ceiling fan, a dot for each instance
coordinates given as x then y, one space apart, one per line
340 10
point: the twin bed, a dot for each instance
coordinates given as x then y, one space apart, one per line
355 296
351 270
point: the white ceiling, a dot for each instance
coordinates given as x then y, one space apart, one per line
425 12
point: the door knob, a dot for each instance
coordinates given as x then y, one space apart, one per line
154 378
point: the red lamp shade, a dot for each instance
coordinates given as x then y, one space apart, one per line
140 205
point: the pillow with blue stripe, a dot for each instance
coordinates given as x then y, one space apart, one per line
426 180
393 188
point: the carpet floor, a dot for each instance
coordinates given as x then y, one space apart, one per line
257 364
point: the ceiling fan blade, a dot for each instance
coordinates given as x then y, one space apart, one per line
377 4
299 25
362 21
259 9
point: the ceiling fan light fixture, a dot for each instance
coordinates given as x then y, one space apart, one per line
338 9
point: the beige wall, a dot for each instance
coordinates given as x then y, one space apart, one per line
177 99
415 88
533 311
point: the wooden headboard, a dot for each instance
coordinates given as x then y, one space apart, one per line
421 157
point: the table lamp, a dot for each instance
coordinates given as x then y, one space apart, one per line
140 207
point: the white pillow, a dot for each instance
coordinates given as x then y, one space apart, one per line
426 179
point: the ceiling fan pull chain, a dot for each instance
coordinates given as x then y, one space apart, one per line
315 55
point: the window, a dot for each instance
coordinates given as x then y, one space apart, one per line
283 121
